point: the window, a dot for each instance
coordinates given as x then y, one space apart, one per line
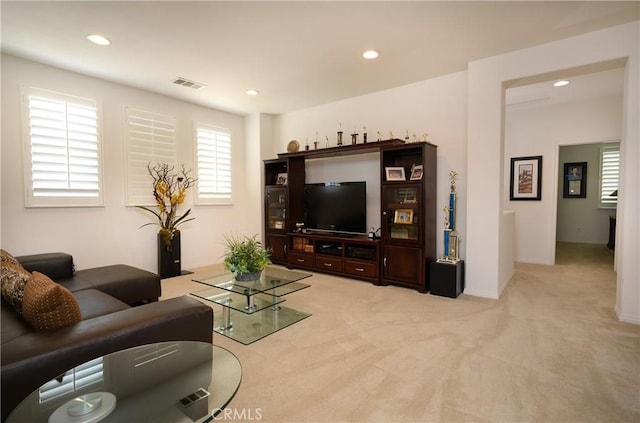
609 174
62 141
150 138
213 158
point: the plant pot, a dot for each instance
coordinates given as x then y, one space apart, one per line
248 277
169 264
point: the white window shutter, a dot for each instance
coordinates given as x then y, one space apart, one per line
151 138
63 164
609 175
213 151
87 374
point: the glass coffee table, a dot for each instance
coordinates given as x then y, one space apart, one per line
253 310
169 382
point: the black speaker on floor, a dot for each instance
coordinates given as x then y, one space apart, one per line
447 279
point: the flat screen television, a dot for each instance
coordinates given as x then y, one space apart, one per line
337 207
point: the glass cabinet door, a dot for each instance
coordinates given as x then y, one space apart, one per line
400 213
276 198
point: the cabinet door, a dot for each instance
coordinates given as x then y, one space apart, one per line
401 213
404 265
276 208
277 244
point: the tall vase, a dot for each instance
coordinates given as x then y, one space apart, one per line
169 264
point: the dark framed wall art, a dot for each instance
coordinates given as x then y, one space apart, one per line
526 179
575 180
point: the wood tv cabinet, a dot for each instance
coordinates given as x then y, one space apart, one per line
355 257
407 243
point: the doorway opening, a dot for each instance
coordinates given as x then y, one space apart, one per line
541 119
585 208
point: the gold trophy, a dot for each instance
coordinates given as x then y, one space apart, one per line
451 237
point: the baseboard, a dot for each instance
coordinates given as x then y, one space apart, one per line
627 318
480 293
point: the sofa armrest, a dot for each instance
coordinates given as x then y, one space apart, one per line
55 265
35 358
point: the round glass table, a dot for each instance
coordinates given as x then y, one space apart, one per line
172 382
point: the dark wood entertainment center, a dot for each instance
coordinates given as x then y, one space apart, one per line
407 242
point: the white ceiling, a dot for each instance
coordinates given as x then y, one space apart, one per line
297 54
595 84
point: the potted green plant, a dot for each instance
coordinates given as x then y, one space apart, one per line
245 257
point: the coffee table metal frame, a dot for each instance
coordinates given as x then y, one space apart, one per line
255 306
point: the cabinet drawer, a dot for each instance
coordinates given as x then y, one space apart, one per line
360 269
329 263
295 259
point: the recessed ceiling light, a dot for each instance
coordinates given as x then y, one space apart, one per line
98 39
252 92
561 83
370 54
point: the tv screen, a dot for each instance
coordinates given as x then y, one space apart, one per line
339 207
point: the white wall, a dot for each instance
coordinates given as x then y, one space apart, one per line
508 251
110 234
539 131
436 106
486 156
462 112
580 219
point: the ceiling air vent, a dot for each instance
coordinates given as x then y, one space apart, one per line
188 83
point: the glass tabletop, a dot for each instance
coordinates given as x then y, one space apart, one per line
273 281
239 302
168 382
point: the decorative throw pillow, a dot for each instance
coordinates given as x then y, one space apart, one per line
6 257
13 281
47 305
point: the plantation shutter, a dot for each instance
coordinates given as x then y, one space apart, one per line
213 151
150 353
64 151
150 138
89 373
609 175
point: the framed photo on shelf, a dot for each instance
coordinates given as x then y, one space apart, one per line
403 216
526 179
575 180
281 179
406 196
416 172
395 173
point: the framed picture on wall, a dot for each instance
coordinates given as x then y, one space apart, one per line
575 180
526 179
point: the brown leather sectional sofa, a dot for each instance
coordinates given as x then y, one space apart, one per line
120 309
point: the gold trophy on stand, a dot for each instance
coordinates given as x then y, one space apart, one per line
451 237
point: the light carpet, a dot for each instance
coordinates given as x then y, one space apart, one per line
549 350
